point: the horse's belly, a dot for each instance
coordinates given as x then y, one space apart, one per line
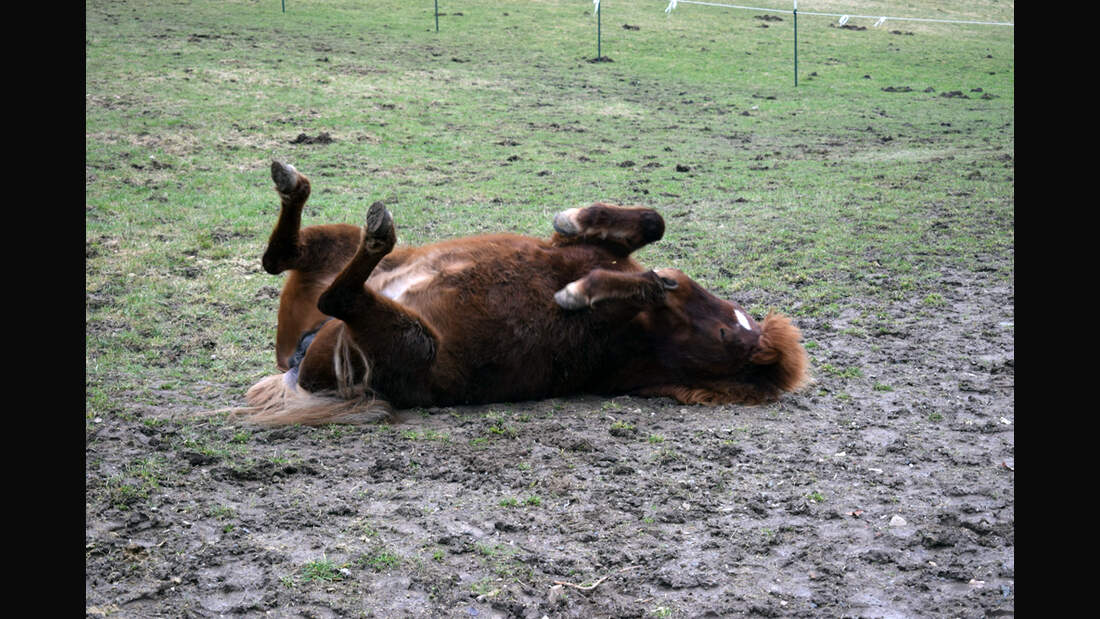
444 278
502 335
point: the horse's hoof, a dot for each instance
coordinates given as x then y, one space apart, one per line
285 176
565 222
571 297
379 221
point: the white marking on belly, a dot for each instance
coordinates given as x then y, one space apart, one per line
744 322
397 287
416 275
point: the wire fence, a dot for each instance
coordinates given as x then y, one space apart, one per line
844 17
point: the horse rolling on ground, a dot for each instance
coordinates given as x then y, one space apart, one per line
366 326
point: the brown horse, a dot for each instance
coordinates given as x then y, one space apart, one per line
365 326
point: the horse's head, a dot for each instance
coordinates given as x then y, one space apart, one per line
701 334
707 349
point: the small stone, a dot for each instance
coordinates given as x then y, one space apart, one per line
556 595
897 521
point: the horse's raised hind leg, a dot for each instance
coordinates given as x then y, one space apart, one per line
621 229
396 343
283 247
320 249
345 294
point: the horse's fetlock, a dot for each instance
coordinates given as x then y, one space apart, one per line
377 246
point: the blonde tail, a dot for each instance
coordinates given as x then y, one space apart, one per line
277 400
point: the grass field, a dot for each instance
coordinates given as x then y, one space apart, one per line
805 197
875 198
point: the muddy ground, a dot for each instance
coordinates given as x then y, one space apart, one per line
895 500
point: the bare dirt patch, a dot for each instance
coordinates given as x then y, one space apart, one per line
893 500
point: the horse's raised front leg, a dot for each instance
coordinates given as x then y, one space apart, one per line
393 344
621 229
311 256
631 291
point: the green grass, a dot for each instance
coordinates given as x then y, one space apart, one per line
381 561
222 512
323 569
135 485
622 425
864 183
426 435
531 501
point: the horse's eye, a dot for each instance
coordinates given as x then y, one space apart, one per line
722 332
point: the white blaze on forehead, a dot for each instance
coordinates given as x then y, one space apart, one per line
743 320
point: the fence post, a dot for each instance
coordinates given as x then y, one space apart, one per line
796 43
599 53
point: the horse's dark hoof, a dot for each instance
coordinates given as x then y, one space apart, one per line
571 297
285 176
379 221
565 222
379 235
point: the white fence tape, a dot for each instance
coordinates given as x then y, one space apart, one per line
843 18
